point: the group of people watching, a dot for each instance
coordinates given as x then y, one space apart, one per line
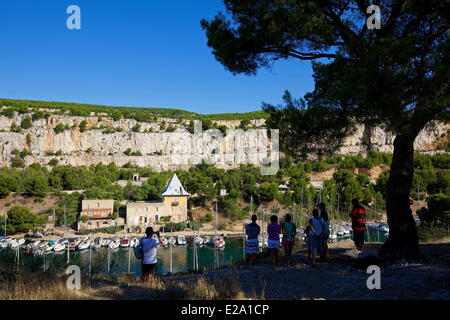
317 233
288 231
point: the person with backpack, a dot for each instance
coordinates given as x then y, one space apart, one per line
317 230
289 230
358 216
149 246
324 215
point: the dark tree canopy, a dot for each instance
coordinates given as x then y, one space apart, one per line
397 75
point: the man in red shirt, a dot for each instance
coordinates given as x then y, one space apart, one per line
358 216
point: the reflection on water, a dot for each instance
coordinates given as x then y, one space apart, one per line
123 260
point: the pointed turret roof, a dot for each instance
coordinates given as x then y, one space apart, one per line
175 188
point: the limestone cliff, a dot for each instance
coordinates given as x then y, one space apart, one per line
165 150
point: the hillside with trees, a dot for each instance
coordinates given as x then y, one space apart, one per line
247 189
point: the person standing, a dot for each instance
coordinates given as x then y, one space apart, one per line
317 229
289 230
149 248
324 215
273 243
307 242
358 216
251 247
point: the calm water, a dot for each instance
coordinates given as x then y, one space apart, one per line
123 260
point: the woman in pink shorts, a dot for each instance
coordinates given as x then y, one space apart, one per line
273 243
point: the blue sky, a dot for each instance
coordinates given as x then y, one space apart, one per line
140 53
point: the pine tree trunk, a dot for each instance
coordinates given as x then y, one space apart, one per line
403 240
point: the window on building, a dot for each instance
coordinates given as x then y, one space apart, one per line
156 218
156 209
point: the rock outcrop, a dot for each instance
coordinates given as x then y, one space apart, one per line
165 150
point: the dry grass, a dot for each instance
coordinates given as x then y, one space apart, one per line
44 286
226 287
36 286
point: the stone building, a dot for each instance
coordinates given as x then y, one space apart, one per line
97 209
99 213
173 207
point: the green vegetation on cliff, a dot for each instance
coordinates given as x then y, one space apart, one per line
140 114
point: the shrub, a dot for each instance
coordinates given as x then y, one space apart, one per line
127 152
37 185
38 114
89 150
28 139
165 219
170 129
109 230
116 115
15 128
15 152
231 208
26 123
83 126
53 162
244 124
172 226
434 220
222 226
430 231
21 219
207 218
137 127
194 225
8 112
25 152
438 210
17 162
59 128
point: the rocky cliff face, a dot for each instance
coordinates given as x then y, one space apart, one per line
164 150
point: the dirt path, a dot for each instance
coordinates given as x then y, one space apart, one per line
339 279
343 279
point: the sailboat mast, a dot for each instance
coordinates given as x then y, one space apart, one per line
66 235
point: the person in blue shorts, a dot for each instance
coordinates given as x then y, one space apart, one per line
316 233
251 248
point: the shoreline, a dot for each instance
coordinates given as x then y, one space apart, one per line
344 276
